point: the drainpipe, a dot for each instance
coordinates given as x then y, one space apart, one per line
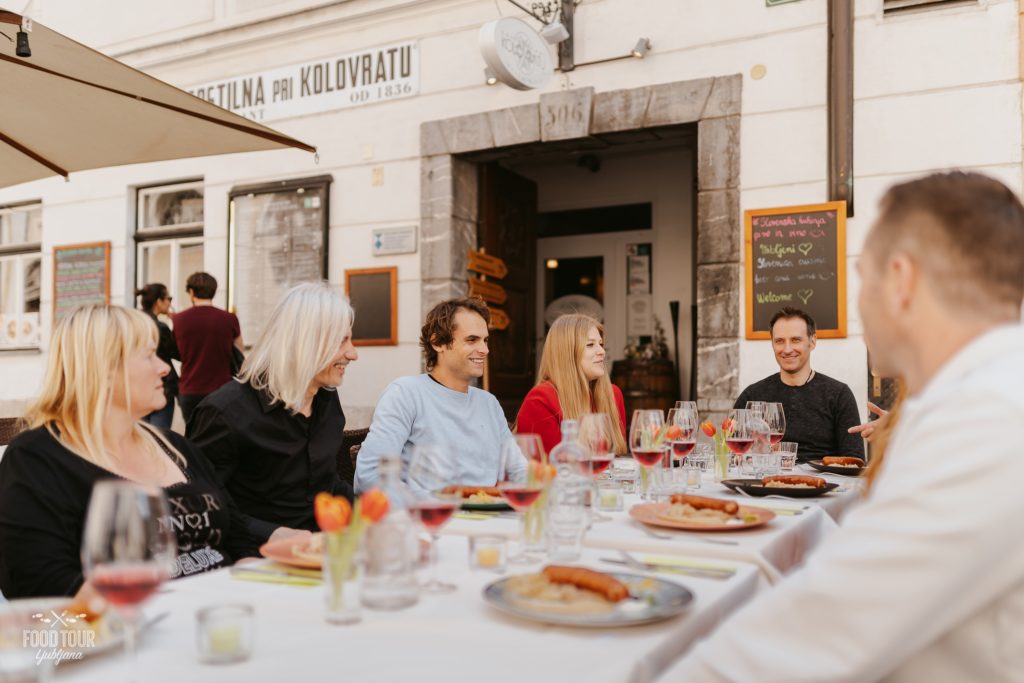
840 102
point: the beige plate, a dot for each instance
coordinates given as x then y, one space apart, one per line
650 513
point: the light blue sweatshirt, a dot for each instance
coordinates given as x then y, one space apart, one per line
418 410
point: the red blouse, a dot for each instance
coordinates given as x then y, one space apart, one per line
541 413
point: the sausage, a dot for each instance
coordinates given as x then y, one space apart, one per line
730 507
806 480
608 587
842 460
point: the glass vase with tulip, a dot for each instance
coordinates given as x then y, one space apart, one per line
343 526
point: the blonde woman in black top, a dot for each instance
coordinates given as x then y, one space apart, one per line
102 378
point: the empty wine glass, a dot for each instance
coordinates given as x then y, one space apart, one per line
647 444
775 416
128 549
431 470
756 407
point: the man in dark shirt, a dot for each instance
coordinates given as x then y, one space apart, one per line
205 335
819 410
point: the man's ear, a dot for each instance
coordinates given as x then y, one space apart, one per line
813 341
904 275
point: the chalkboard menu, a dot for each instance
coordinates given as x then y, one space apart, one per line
373 293
81 275
796 256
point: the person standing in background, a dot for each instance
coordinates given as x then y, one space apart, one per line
156 301
205 335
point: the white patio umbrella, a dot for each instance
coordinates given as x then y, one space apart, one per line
70 108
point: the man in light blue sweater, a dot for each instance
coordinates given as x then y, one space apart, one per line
440 408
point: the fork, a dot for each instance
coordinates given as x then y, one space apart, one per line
720 573
772 495
668 537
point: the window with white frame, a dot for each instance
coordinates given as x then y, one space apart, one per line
893 7
21 235
169 236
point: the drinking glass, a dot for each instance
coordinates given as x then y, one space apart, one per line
647 444
128 549
523 494
787 454
430 471
755 406
684 438
740 435
775 416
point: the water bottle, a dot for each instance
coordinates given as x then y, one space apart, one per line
568 516
389 581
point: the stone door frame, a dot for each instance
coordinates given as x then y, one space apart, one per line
449 197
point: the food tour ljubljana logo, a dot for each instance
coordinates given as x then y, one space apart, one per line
60 636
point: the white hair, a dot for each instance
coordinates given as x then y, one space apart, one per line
301 337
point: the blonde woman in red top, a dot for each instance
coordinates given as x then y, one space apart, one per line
571 383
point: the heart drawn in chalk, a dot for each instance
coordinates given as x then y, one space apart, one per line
805 248
805 295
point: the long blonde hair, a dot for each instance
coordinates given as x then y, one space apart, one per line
301 336
880 445
560 365
89 351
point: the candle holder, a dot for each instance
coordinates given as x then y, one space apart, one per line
225 633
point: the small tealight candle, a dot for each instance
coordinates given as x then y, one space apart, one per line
224 633
487 552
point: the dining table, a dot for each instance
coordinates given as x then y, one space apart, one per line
444 637
459 635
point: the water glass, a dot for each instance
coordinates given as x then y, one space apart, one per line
697 463
567 522
224 633
787 455
762 464
625 472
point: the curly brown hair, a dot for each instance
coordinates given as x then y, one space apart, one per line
439 327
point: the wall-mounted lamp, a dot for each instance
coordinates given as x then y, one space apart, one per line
21 47
551 263
642 47
489 76
555 32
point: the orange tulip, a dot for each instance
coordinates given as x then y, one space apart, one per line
674 432
708 428
727 425
373 505
332 512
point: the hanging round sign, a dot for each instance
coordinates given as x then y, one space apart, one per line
517 54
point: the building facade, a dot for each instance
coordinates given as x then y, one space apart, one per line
620 184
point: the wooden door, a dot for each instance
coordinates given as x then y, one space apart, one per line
508 230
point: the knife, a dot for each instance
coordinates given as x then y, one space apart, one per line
720 574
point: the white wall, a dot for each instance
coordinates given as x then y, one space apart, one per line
933 90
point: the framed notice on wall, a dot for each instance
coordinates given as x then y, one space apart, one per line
81 275
373 293
796 256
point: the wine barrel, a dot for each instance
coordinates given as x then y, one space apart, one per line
646 383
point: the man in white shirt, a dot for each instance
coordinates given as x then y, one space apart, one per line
925 580
441 407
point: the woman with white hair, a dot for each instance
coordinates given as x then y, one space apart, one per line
274 433
102 378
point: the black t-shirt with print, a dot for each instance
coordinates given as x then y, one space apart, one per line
44 495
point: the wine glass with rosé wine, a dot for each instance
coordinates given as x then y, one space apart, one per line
433 471
522 480
647 444
775 416
128 550
596 437
682 424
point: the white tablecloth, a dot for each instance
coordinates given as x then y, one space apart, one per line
775 548
452 637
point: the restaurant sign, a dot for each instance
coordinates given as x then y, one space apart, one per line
337 82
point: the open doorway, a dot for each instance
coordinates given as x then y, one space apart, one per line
611 234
